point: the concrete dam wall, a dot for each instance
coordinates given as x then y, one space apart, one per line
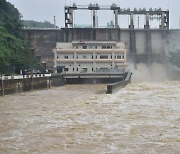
43 41
143 45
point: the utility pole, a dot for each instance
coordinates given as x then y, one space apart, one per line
54 21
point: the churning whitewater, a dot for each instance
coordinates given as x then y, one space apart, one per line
141 118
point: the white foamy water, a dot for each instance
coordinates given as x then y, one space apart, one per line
141 118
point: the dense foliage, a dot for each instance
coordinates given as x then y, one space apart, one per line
13 49
35 24
174 58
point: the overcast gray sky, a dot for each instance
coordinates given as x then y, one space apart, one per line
41 10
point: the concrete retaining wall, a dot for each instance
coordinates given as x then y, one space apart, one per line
57 80
16 84
115 86
43 41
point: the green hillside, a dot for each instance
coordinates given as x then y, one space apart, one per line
13 49
36 24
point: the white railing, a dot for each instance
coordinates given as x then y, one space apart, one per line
17 77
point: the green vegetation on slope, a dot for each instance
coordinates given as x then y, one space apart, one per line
10 18
35 24
13 49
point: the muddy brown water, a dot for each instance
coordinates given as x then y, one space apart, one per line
141 118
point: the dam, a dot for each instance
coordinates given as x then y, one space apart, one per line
140 43
144 45
143 117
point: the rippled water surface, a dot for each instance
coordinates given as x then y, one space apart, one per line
141 118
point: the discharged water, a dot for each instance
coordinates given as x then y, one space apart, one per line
141 118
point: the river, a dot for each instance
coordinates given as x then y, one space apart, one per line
144 117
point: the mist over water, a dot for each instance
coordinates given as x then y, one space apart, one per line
154 73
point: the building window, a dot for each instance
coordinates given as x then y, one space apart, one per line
76 57
77 69
95 47
76 47
118 56
103 56
66 69
73 69
84 47
84 70
84 56
103 68
103 47
65 57
92 69
92 56
57 57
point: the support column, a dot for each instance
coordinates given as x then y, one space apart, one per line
149 59
133 53
162 26
147 25
55 61
131 26
167 20
75 63
94 60
71 18
2 85
164 46
94 18
113 58
116 19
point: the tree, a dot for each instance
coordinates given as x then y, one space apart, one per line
13 49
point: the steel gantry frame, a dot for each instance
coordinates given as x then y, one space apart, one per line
151 14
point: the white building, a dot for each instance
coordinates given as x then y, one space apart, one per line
90 57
